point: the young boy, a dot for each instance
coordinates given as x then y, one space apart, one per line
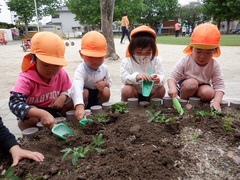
92 81
10 145
40 92
198 74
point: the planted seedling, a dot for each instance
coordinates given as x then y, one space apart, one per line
9 174
193 137
153 115
158 117
119 107
101 118
227 124
80 152
211 112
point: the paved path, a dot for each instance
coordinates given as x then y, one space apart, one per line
12 54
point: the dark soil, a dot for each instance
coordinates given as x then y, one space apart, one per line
188 147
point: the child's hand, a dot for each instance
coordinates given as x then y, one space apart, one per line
18 153
100 85
172 92
215 105
143 76
79 111
47 120
155 79
58 102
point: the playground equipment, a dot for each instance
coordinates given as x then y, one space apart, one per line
26 41
2 37
64 36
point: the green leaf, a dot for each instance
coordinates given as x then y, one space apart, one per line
150 119
67 151
99 150
75 156
9 172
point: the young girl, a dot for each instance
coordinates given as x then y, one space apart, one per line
198 74
141 63
40 92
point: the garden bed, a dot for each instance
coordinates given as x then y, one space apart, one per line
198 145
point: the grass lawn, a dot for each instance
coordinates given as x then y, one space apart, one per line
226 40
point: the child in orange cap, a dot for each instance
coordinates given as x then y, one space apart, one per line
142 63
91 85
198 74
40 91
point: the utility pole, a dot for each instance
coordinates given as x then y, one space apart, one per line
35 3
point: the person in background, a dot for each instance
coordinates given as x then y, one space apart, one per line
92 81
142 63
184 30
10 145
125 27
177 29
41 90
198 73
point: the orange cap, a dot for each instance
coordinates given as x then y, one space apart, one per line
48 47
143 28
139 29
94 44
205 36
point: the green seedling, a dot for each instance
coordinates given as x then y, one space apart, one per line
194 137
119 107
101 117
211 112
227 124
81 151
158 117
9 174
153 115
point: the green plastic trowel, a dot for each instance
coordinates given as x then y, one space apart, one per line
60 130
177 106
147 85
84 121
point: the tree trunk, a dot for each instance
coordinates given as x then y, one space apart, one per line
26 29
107 9
228 26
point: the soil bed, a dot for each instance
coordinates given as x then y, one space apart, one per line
196 145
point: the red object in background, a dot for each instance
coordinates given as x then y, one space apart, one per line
2 37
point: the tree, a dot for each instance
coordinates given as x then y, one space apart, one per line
25 9
222 10
133 8
107 9
157 11
87 12
192 13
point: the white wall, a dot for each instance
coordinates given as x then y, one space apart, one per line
8 34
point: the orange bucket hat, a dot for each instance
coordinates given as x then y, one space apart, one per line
205 36
94 44
48 47
140 29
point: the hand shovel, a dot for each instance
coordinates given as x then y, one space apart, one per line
60 130
83 122
177 106
147 85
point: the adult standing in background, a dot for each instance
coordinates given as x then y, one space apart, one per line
125 26
177 29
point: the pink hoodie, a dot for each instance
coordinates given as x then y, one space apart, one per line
37 91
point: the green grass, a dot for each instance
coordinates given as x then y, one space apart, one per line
226 40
